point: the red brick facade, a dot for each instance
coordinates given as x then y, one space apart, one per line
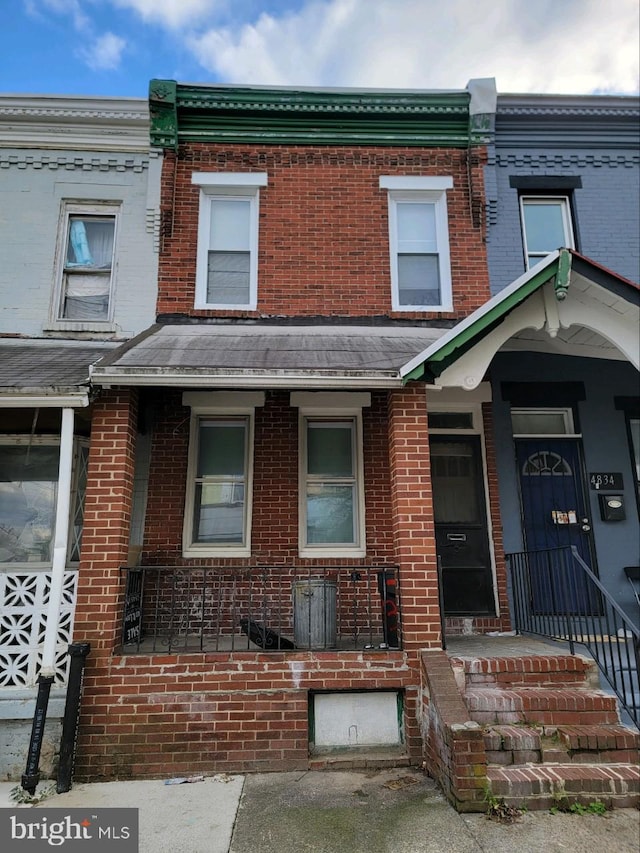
323 251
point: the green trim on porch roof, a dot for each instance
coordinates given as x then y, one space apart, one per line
457 346
190 113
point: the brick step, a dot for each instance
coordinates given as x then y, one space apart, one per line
545 786
540 705
601 744
533 671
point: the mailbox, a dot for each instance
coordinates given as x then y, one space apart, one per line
612 507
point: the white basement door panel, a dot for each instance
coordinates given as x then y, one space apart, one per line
356 719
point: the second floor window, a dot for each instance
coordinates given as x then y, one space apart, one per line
546 226
86 282
419 243
227 260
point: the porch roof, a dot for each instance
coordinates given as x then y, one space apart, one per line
265 356
566 304
46 373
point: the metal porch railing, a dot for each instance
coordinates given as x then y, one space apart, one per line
556 595
282 608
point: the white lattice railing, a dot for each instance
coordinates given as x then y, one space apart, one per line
24 599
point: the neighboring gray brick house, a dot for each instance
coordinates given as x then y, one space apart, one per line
79 190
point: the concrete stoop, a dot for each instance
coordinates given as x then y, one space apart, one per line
550 738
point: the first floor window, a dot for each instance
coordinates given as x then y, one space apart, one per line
220 482
331 487
87 270
28 496
634 440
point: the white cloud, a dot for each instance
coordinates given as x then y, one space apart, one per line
105 53
172 13
571 46
73 8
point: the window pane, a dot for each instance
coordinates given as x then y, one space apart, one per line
634 428
416 227
418 280
221 449
539 423
450 420
455 497
218 515
230 225
90 242
544 224
330 514
228 278
330 449
27 503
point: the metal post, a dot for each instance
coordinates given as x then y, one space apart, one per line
31 776
78 653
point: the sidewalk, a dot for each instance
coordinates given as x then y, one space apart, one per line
386 811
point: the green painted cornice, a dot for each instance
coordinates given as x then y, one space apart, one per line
192 113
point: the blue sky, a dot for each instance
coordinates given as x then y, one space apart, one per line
114 47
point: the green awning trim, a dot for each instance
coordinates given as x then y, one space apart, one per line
457 346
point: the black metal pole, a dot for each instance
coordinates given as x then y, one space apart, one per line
31 776
78 653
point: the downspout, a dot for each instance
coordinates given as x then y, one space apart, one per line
46 676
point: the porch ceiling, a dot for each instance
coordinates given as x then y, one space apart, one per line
261 356
34 371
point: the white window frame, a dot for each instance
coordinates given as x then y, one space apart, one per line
69 208
223 406
565 411
229 186
420 190
565 208
327 407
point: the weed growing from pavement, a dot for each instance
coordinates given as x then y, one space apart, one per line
594 807
499 811
19 795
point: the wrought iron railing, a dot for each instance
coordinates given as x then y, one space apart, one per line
556 595
281 608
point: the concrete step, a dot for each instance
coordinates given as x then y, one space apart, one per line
597 744
363 758
541 706
534 671
560 785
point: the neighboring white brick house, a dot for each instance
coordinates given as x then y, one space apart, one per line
79 226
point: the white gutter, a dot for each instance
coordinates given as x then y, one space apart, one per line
60 541
44 401
166 378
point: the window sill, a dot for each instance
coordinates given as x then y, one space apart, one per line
80 326
220 551
345 552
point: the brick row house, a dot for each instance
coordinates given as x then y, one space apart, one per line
376 369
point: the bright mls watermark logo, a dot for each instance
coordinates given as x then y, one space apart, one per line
26 830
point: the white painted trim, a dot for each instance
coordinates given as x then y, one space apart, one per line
230 179
243 379
331 399
217 401
196 549
416 182
60 543
317 551
228 192
13 401
439 201
438 396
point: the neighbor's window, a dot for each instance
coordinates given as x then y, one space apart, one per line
218 484
542 422
331 484
87 270
227 258
28 493
419 243
634 436
546 226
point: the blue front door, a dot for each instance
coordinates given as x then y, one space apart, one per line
554 514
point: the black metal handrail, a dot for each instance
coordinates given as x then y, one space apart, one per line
282 608
556 595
